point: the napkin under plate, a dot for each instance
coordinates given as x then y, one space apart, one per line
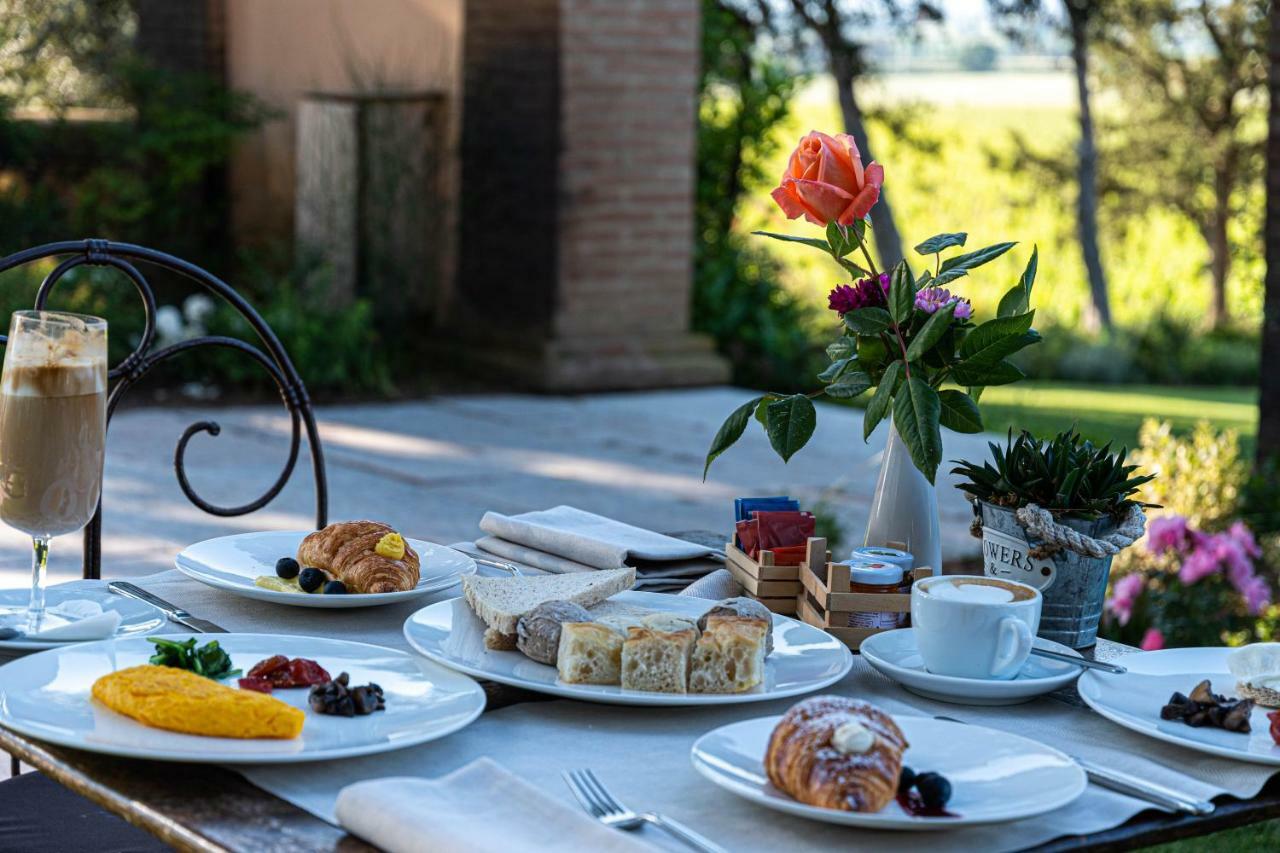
479 807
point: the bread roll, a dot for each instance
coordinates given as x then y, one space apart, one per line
729 656
589 653
657 660
538 631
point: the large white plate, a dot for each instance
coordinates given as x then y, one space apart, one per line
1134 701
804 658
47 696
233 562
995 776
894 653
136 617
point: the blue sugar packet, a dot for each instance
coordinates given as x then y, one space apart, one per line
743 507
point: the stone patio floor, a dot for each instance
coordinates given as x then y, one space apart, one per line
432 468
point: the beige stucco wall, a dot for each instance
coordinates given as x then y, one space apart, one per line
280 49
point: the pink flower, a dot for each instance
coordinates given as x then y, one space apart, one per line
930 299
1243 536
1199 564
825 181
1168 533
865 294
1153 640
1257 595
1124 595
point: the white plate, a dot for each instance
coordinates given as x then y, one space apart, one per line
232 563
47 696
136 617
894 653
1134 701
995 776
804 658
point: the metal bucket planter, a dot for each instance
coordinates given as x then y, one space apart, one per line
1074 585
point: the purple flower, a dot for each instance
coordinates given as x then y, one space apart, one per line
1168 533
1257 595
864 294
1124 595
930 299
1243 536
1199 564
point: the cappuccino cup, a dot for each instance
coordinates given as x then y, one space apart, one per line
972 626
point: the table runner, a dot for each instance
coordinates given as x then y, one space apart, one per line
643 753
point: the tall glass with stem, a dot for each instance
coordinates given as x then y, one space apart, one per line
53 423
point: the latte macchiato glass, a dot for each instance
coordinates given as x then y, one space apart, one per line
972 626
53 422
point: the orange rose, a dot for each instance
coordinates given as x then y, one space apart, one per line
825 181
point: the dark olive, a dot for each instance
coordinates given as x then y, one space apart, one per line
934 789
287 567
310 579
335 588
906 779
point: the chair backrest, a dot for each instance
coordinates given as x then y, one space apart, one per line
120 256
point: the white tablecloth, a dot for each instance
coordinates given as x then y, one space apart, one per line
643 753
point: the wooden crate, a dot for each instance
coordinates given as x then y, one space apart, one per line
776 587
826 601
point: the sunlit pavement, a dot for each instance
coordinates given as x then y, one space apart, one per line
432 468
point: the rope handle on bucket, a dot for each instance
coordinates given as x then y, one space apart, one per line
1039 524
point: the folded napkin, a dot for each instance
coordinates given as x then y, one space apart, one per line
86 621
586 538
715 586
479 807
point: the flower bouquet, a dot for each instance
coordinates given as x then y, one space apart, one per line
903 336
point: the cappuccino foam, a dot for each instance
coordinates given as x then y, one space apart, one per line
977 591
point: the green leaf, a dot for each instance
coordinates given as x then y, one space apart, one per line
842 348
881 400
1000 373
853 268
849 385
939 242
931 332
730 431
787 238
953 268
959 411
790 423
916 413
1018 299
762 409
975 391
834 370
995 339
902 294
843 239
868 321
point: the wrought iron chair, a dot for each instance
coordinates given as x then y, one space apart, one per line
121 256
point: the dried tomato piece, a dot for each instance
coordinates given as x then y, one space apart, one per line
267 668
252 682
304 673
1274 717
282 673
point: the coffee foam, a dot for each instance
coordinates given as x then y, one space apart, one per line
976 590
72 377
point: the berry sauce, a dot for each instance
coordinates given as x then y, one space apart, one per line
913 805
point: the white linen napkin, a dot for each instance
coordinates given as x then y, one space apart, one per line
587 538
479 807
715 586
87 621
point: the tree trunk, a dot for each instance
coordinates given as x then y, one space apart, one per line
1269 375
1219 247
888 241
1087 170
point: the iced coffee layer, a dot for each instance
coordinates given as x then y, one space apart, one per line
70 378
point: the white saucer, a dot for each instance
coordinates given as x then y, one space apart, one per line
894 654
136 617
995 776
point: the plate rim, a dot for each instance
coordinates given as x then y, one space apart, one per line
876 820
958 686
16 645
413 739
634 698
1124 720
198 572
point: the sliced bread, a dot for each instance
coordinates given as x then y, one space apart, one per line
500 602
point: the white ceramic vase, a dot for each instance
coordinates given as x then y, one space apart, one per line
904 508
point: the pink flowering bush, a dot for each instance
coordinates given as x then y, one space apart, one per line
1194 588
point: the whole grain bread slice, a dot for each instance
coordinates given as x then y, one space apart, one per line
500 602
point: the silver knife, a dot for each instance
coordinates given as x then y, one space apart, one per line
1132 786
1049 654
175 614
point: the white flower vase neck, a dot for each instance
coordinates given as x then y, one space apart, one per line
904 508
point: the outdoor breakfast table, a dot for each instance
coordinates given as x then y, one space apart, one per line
212 808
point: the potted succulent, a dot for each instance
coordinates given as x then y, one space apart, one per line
1053 514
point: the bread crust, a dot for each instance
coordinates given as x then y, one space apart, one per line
802 762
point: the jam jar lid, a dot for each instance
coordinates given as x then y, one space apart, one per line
873 573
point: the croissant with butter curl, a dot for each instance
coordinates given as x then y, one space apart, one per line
362 554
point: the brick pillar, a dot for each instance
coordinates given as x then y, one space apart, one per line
576 234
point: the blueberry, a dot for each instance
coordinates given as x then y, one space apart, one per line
906 779
287 567
310 579
335 588
934 789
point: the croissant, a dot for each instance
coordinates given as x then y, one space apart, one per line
802 761
346 551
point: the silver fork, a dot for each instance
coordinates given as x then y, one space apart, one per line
604 807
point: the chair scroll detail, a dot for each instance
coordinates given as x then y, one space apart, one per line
270 355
